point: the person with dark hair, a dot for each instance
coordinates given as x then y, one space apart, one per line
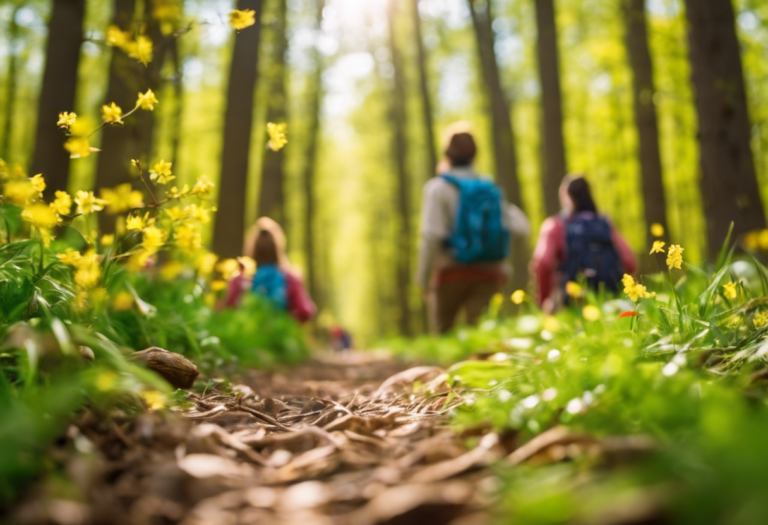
578 244
466 229
275 279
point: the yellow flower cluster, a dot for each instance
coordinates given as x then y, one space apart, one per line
147 101
141 48
730 292
78 144
518 296
635 291
122 198
240 19
88 203
760 319
277 135
657 230
161 173
112 113
658 247
756 240
87 269
66 120
675 257
573 289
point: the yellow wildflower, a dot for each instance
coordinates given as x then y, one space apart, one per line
202 186
176 213
762 239
551 324
518 296
658 247
116 37
87 202
760 319
154 399
591 312
106 381
175 193
153 238
40 216
198 213
277 138
241 19
657 230
248 264
147 100
122 198
88 271
39 183
19 192
111 113
137 222
66 119
138 260
70 257
227 268
78 147
218 285
634 290
187 238
205 263
62 204
171 270
675 257
123 301
108 239
161 173
141 49
730 292
573 289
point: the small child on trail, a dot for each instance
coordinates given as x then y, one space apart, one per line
466 234
578 242
275 278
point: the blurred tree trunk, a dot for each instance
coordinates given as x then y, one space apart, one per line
58 91
272 190
314 109
426 99
654 199
10 81
554 166
502 132
229 228
397 115
178 108
729 188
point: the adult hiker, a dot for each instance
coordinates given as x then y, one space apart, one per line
275 280
466 234
579 244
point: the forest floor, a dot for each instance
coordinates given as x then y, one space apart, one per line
354 438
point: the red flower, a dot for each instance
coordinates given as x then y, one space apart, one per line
628 314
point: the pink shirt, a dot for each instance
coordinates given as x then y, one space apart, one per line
300 304
550 254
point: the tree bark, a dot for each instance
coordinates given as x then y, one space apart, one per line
553 162
399 149
729 188
502 131
58 91
178 108
229 228
272 191
654 199
10 81
426 99
314 109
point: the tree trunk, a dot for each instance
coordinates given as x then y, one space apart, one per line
58 91
229 228
10 81
426 99
178 108
729 188
310 159
272 191
399 147
654 200
553 162
502 132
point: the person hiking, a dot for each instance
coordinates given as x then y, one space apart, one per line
466 230
579 243
275 279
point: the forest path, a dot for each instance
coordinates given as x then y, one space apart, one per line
357 439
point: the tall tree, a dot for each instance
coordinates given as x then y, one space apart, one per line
502 132
553 160
178 108
272 191
729 188
314 108
229 228
10 82
397 116
654 200
57 94
426 99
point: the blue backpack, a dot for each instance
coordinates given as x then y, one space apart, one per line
270 283
590 252
479 233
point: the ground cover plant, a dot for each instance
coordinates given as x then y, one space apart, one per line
650 406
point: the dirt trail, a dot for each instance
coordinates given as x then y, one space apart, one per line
353 439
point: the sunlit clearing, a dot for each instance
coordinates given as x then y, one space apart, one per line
354 12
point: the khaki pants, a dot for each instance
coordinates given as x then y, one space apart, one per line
447 299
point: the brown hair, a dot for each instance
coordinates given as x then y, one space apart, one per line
459 145
580 193
265 249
